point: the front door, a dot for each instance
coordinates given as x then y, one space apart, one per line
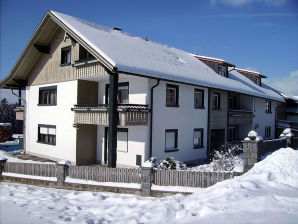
217 140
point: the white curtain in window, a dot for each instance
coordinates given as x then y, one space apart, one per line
122 141
52 131
43 130
170 140
197 137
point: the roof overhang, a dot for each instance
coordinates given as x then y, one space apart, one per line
218 60
250 72
38 45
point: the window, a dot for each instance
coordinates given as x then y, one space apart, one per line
222 70
123 93
198 138
172 95
268 132
122 139
232 102
199 98
268 106
66 56
84 54
48 95
215 101
171 140
138 160
47 134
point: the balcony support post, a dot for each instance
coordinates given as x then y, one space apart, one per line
113 120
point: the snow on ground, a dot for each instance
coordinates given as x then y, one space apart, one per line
10 158
268 193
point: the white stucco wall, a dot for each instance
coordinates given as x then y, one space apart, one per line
59 115
262 119
138 136
185 118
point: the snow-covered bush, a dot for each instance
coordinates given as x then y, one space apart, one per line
226 158
171 164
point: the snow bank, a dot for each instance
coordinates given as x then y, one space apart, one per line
268 193
10 158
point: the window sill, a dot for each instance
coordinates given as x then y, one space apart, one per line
172 105
46 104
200 108
198 147
65 64
46 143
171 150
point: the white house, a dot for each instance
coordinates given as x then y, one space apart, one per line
88 85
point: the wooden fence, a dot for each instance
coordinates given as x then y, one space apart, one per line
190 178
35 169
123 175
105 174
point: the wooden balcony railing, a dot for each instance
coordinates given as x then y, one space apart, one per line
240 113
129 114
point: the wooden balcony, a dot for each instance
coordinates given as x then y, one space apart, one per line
19 113
129 114
88 68
241 113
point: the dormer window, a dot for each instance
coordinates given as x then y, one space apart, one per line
222 70
66 56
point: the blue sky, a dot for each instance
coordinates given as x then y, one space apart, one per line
254 34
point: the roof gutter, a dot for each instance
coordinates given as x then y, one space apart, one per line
151 118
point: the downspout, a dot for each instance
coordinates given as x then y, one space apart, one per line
151 118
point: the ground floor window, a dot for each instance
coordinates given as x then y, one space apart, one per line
268 132
198 138
171 140
122 139
47 134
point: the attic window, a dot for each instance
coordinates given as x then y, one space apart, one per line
84 55
66 56
222 70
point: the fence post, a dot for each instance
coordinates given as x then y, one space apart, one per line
2 163
62 171
146 180
252 146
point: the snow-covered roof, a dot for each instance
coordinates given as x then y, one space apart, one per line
5 124
133 54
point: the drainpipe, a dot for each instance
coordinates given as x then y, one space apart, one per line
151 119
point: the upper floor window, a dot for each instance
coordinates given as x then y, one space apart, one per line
232 102
47 134
215 101
198 138
66 56
171 140
172 95
48 95
84 54
199 98
222 70
268 106
123 93
268 132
